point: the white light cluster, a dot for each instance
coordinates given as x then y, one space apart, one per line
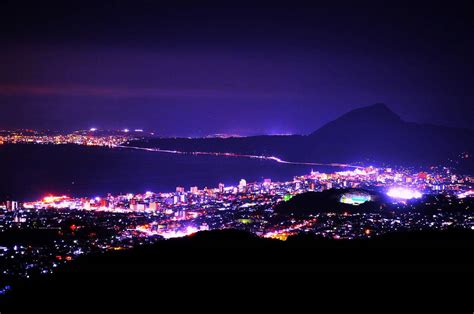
403 193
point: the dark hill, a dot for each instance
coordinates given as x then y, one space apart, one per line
328 201
368 134
240 271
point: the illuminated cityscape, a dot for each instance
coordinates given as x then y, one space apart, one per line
118 222
234 156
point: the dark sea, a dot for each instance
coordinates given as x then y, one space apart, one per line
29 172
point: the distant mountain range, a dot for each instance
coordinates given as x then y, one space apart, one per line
373 134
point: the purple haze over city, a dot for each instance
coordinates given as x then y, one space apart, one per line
193 69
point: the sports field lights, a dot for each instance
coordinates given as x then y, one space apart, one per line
403 193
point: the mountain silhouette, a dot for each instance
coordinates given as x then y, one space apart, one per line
375 133
370 118
372 134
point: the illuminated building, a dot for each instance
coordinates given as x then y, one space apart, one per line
12 205
179 189
422 175
242 185
104 203
153 206
180 214
355 198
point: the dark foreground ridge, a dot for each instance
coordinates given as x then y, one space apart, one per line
422 270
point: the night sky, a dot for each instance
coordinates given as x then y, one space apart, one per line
201 67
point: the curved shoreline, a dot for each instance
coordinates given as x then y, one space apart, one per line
270 158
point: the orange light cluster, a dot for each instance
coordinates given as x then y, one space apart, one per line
54 199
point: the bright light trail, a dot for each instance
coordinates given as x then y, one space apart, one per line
270 158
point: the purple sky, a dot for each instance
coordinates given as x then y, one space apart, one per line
279 67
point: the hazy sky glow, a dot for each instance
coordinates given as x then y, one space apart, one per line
189 69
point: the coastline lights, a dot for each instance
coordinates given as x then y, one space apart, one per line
403 193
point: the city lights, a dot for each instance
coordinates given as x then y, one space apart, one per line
136 218
55 199
469 193
91 137
155 216
403 193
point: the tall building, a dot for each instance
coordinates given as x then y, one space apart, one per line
153 206
194 190
221 187
12 205
179 189
242 185
133 204
180 214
